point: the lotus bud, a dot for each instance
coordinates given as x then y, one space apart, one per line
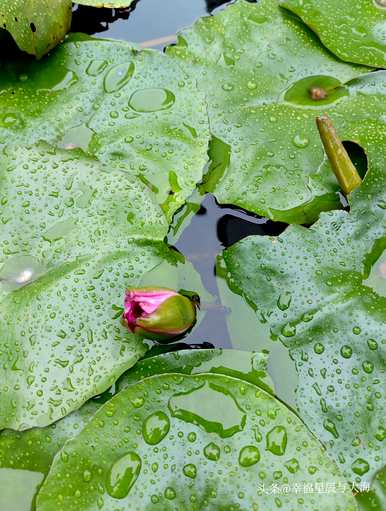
157 313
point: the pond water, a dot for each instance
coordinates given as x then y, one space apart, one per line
144 22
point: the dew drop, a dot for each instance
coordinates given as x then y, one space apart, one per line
249 455
190 470
380 434
307 316
123 475
329 426
212 452
151 100
292 465
284 301
227 87
197 407
360 466
192 436
346 351
372 344
368 366
96 67
277 440
19 271
170 493
288 330
155 428
300 141
318 348
118 76
87 476
12 120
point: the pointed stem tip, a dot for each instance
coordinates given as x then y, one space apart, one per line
344 169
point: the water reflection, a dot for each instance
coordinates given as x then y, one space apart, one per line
209 231
143 20
216 227
92 20
229 322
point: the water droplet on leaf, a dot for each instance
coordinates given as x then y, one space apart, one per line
360 466
197 407
151 100
123 475
277 440
155 428
118 76
249 455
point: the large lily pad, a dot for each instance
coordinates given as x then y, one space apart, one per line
57 205
74 236
191 442
355 33
134 109
34 24
269 71
311 285
62 341
30 453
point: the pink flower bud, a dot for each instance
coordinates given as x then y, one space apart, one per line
157 313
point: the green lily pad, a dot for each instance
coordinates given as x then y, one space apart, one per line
355 33
74 236
133 109
375 498
312 287
62 337
35 26
57 205
266 155
112 4
29 454
191 442
244 365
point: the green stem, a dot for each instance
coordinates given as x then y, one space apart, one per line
344 169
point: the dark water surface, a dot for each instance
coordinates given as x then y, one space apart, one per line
145 20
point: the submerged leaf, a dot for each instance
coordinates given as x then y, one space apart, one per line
354 32
35 25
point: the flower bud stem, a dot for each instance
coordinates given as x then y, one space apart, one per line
344 169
